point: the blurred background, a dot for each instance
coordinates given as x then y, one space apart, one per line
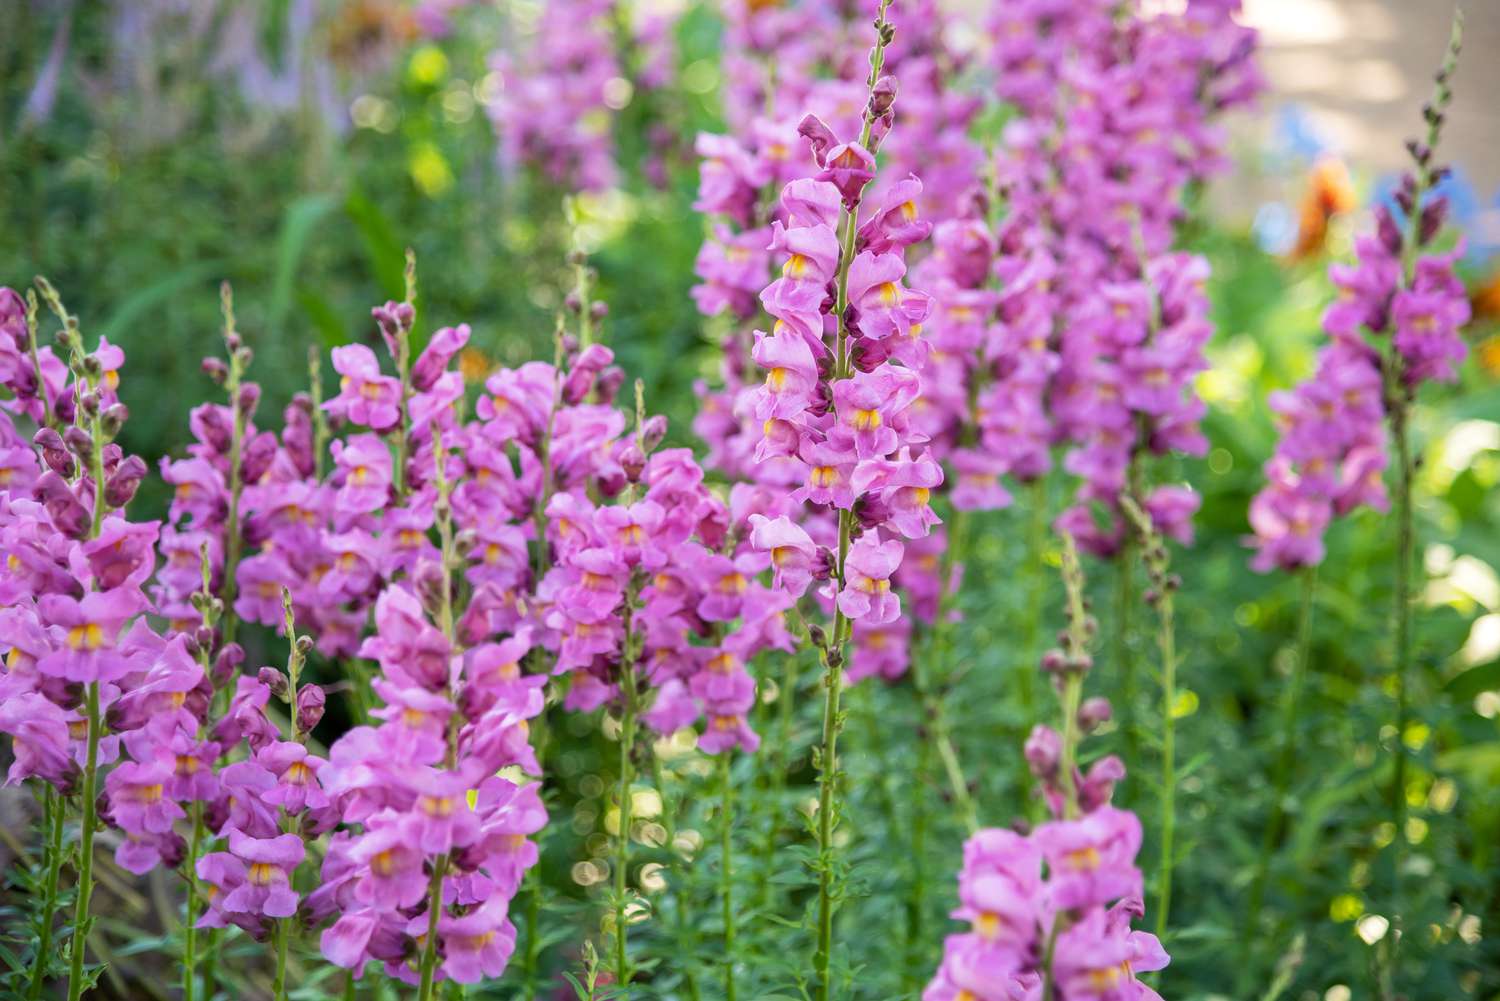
151 148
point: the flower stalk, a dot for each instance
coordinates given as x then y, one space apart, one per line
1164 584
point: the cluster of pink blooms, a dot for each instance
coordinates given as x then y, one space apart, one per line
1072 882
1332 454
564 80
1050 911
552 111
1116 121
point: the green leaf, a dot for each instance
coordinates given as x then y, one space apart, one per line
296 226
386 255
141 303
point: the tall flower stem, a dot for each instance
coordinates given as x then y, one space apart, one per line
776 779
443 515
1399 398
726 868
622 841
232 540
1075 644
55 813
283 937
90 795
190 917
1163 585
834 650
1291 706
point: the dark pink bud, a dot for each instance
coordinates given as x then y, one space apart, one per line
80 443
227 664
121 485
653 431
66 511
868 354
1043 751
1388 231
610 484
576 387
273 679
607 386
310 703
883 96
260 452
1094 713
54 451
248 399
113 419
216 370
633 462
1099 785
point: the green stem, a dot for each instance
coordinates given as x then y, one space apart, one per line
726 869
90 794
1291 706
283 938
622 841
434 909
190 920
56 813
1405 547
776 780
833 683
1124 602
916 905
1168 644
529 959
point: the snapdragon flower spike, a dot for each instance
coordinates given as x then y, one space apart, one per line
1049 912
1391 329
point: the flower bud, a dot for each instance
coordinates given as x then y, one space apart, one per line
633 462
653 431
607 385
260 453
883 96
1043 751
273 679
310 703
113 419
1099 785
1388 231
227 664
248 399
1093 713
216 370
1054 661
54 451
79 443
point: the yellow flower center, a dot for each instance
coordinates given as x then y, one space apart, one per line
88 636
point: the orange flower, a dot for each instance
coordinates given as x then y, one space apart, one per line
1329 192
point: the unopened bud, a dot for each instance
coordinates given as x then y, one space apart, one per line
1094 713
607 385
54 451
1043 751
310 702
653 431
79 443
273 679
227 664
633 462
883 96
120 488
248 399
216 370
113 419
